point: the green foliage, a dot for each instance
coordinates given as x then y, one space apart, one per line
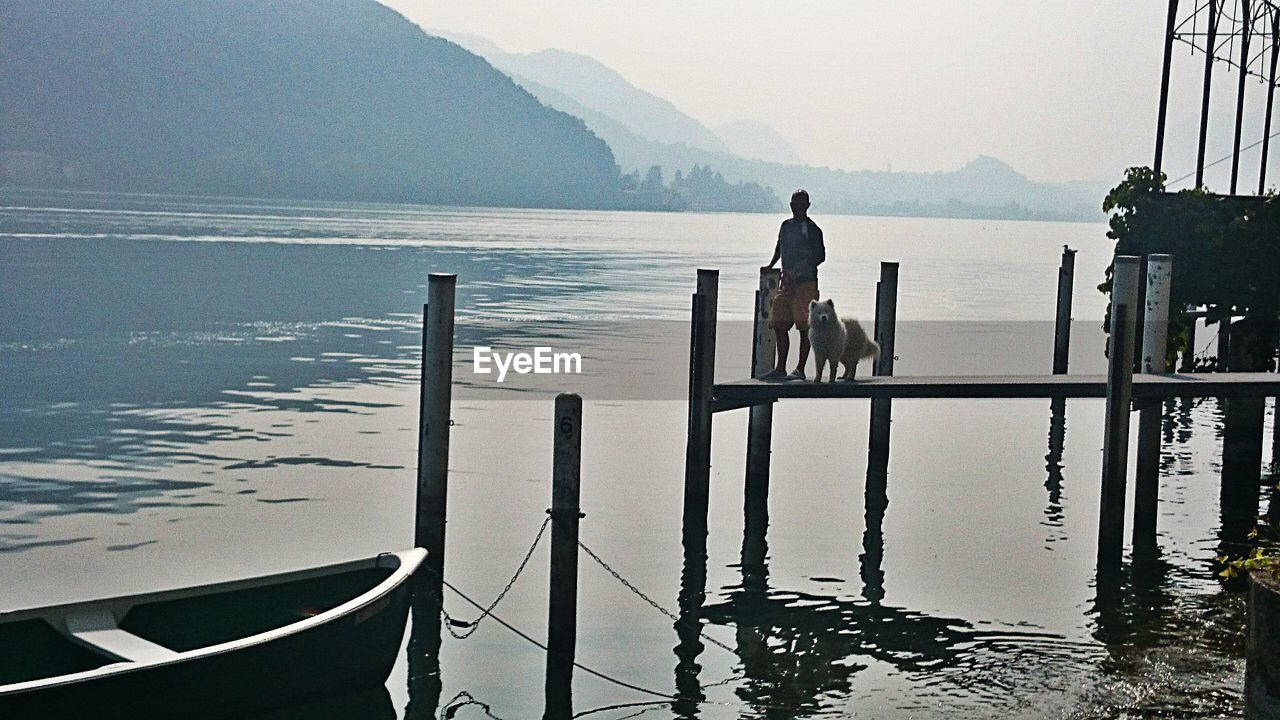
1226 249
1264 556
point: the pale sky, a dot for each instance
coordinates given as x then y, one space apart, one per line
1060 89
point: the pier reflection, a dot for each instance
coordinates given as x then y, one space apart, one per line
875 503
693 594
1053 462
424 649
798 650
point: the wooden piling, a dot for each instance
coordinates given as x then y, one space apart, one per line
1062 321
702 355
1224 345
1115 452
760 421
1243 434
885 330
1275 435
1189 352
1155 342
433 422
562 610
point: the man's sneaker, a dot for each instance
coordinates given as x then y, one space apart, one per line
796 374
774 374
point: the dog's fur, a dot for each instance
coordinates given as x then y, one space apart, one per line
835 340
857 346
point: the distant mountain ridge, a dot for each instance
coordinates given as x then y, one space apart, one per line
325 99
984 187
597 88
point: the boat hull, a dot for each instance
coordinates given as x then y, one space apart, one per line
350 652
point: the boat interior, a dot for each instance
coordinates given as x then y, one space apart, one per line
51 642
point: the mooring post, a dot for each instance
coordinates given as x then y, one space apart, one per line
1275 402
1243 435
1155 343
702 358
1062 321
433 421
885 329
562 613
1224 345
760 421
1115 449
1189 352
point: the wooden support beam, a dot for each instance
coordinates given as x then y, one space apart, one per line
1224 345
702 356
1062 320
1115 452
562 610
433 421
1189 352
885 330
1155 342
760 422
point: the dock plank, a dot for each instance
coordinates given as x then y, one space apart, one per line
744 393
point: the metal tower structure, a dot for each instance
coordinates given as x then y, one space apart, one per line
1243 34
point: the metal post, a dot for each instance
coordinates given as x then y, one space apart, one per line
433 423
760 420
1115 452
1271 96
562 613
885 329
1169 25
1155 342
702 358
1245 32
1062 321
1208 81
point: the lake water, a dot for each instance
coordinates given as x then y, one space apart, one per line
195 390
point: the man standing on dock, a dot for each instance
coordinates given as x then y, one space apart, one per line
801 251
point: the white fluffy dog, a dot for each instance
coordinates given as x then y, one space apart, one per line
835 340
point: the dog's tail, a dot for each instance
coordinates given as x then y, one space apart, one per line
873 350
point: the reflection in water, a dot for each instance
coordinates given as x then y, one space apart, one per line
1168 654
801 650
140 390
876 503
1053 464
1241 474
693 593
369 705
424 647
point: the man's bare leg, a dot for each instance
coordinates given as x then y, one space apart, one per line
804 352
784 348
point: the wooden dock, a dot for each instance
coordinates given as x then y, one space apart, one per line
1123 390
745 393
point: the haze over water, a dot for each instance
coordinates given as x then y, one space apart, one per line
200 389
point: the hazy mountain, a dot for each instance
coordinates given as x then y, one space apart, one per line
985 187
312 98
755 140
592 85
